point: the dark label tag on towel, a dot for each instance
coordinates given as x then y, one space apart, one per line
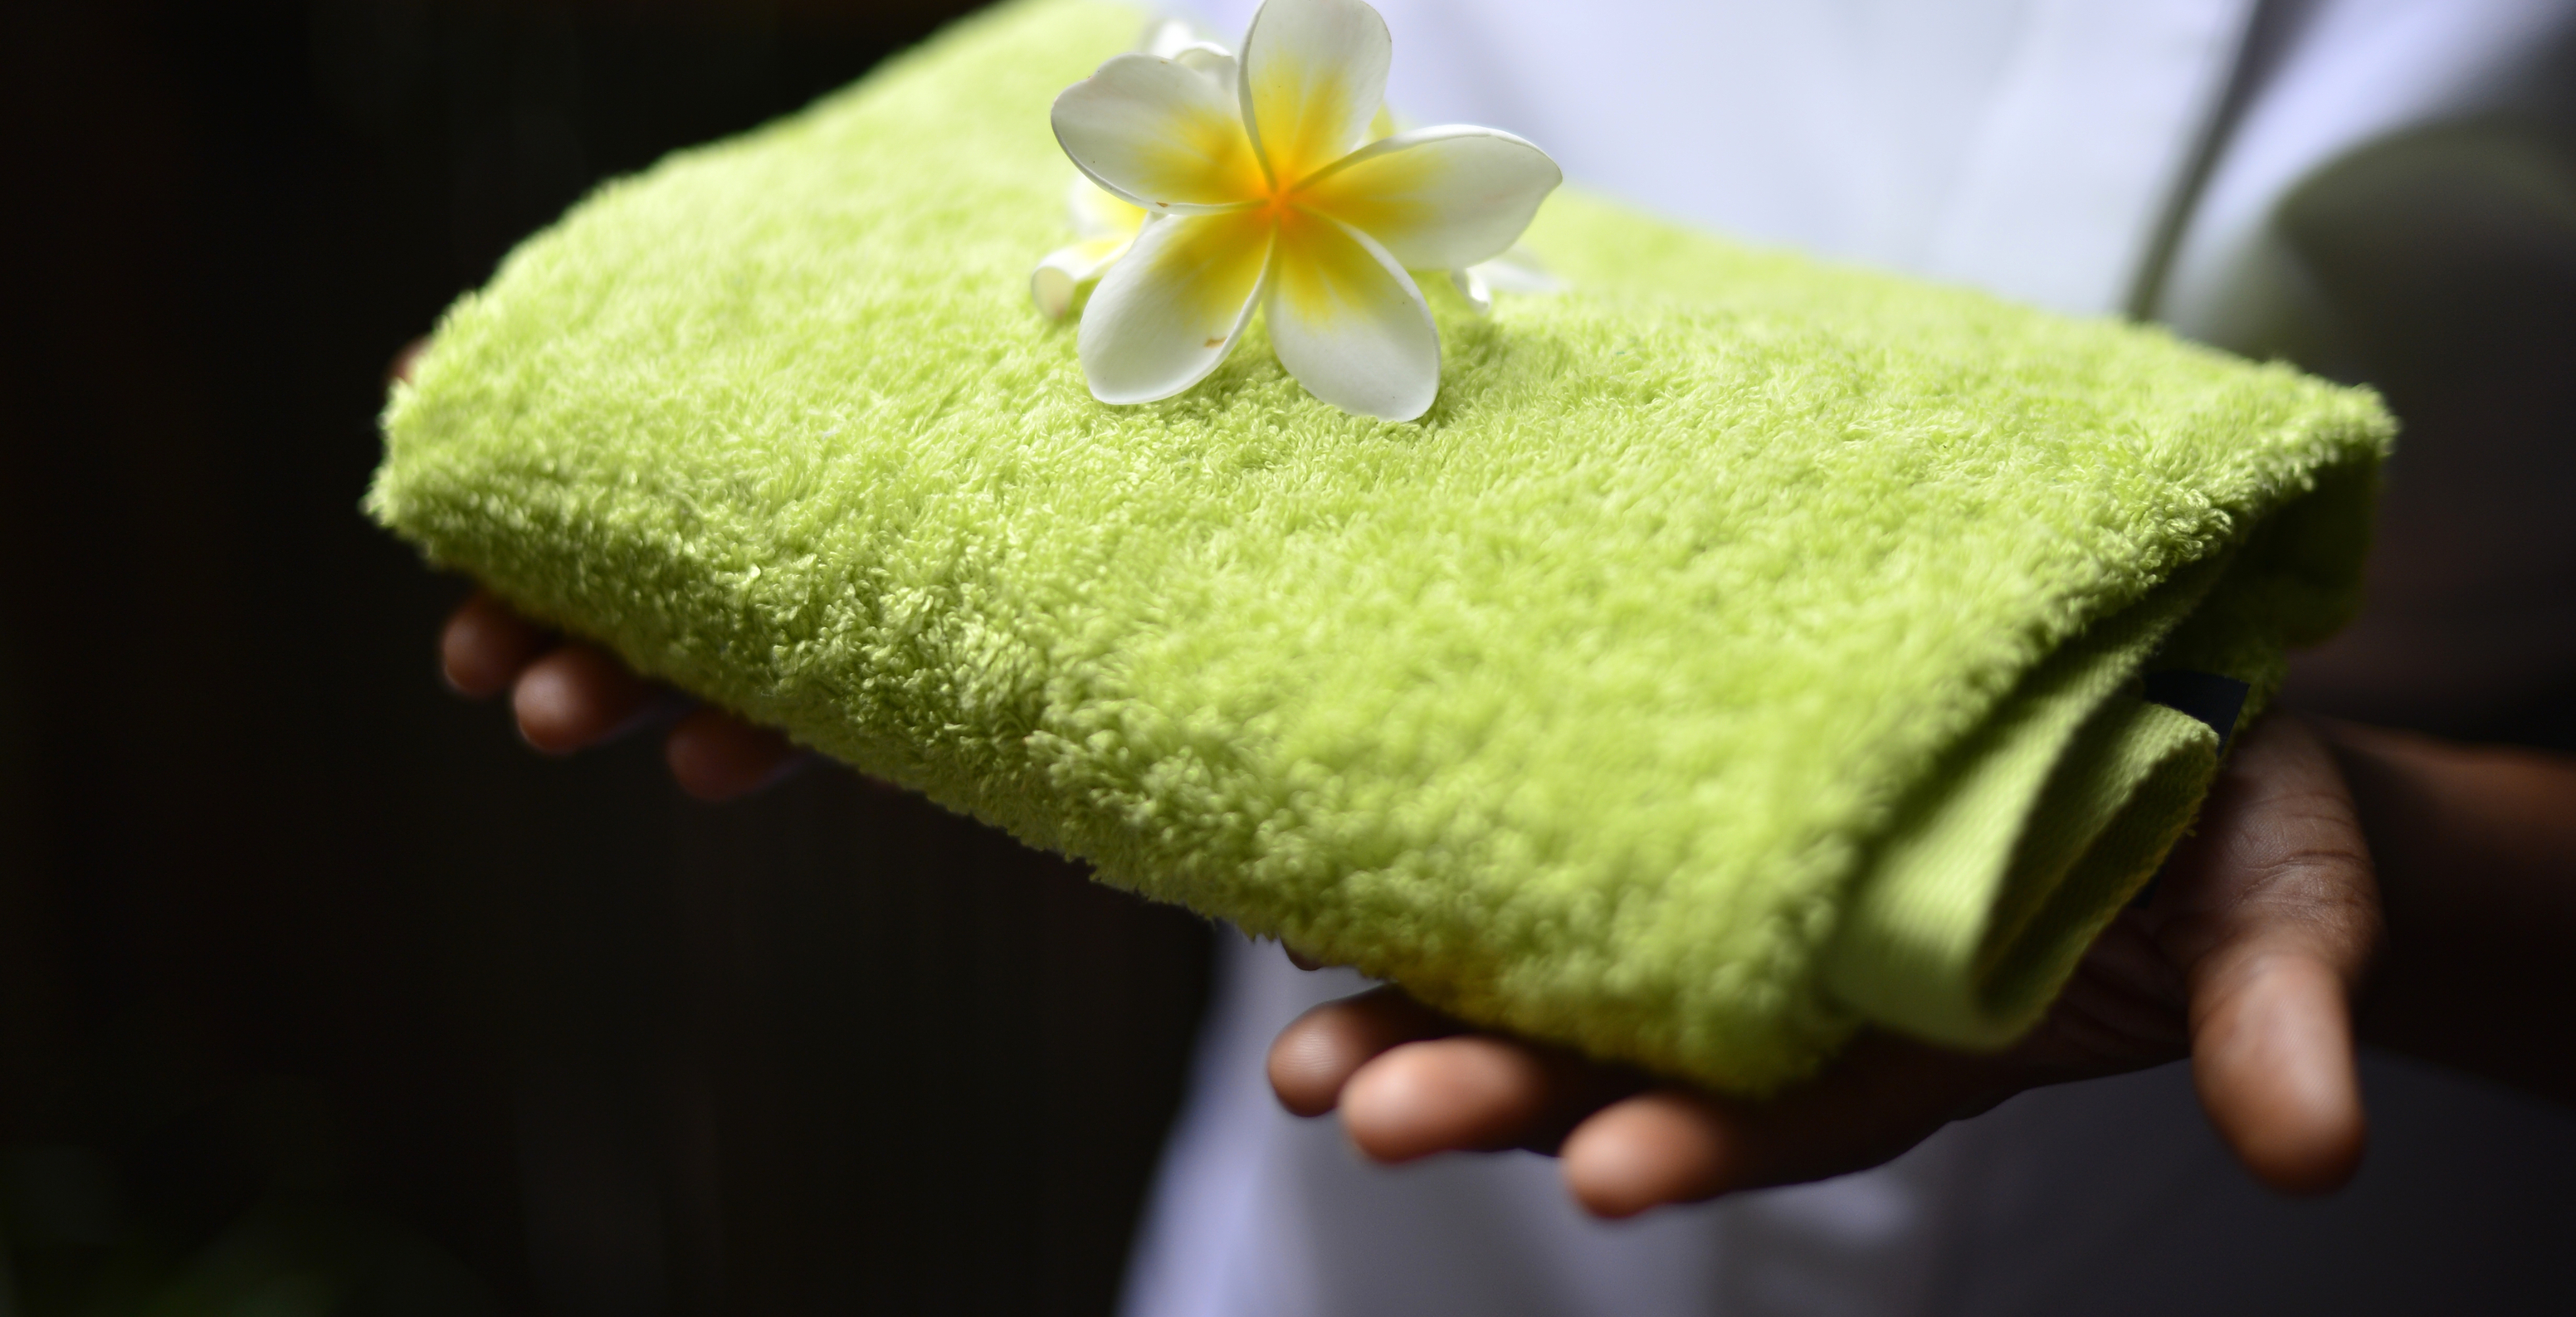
2206 696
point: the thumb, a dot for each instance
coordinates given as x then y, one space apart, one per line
2272 1056
2275 918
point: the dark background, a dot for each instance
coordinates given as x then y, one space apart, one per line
318 992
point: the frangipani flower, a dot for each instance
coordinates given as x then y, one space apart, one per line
1105 225
1260 188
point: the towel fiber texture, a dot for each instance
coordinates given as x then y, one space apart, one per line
1741 648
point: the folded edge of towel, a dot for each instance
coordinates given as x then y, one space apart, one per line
1997 877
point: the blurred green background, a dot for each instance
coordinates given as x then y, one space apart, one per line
318 992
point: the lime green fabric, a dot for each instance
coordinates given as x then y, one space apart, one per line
1999 872
1741 647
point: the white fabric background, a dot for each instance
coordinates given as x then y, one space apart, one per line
2022 145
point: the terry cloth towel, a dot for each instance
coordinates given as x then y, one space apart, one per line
1740 649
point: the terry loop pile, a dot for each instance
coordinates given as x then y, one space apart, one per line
1740 649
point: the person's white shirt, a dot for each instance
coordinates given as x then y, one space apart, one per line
2089 156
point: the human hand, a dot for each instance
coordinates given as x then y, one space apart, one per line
2245 960
569 695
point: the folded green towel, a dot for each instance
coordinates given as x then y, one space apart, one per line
1740 648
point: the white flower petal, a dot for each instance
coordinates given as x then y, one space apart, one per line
1169 139
1515 271
1438 198
1192 47
1349 323
1470 285
1168 37
1210 61
1098 212
1518 270
1173 306
1314 74
1066 269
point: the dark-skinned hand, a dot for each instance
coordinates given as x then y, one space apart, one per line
2245 961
